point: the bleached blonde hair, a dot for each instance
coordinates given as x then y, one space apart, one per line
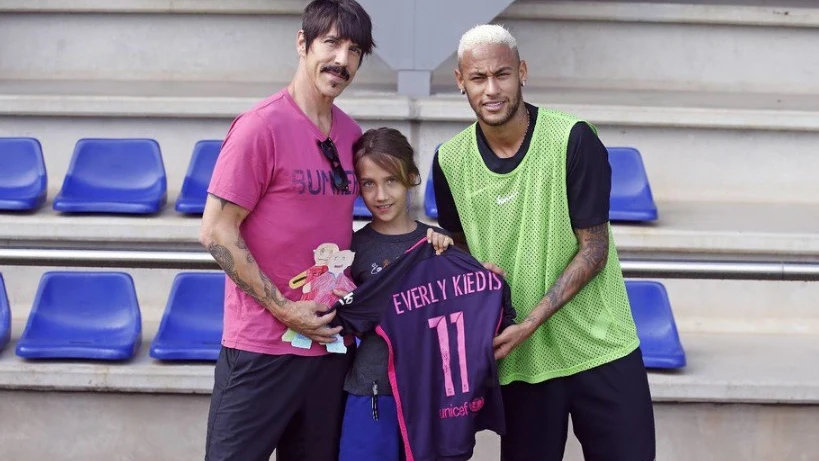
486 34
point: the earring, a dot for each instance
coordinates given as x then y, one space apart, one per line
463 91
523 83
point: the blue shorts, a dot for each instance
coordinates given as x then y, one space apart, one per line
366 439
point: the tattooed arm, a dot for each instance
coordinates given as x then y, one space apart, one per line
220 234
590 259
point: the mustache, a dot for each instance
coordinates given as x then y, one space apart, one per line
338 70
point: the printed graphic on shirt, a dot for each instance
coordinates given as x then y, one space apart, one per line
376 268
320 255
320 182
318 284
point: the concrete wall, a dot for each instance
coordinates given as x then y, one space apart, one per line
156 427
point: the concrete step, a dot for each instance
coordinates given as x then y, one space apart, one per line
613 44
744 306
696 146
736 389
684 230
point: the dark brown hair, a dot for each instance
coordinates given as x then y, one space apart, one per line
350 19
390 150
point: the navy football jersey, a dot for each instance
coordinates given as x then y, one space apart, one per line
438 315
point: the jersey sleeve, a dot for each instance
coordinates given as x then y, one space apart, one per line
588 178
358 312
361 310
448 217
508 314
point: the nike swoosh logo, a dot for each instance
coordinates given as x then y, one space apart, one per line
507 199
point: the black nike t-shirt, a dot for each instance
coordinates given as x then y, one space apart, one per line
588 176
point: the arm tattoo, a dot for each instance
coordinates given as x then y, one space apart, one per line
240 243
225 260
590 259
594 246
222 202
270 292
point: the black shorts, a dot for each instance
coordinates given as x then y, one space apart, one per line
289 403
610 406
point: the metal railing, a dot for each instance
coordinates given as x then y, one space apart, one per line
200 260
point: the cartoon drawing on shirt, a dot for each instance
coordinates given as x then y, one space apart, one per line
321 289
320 256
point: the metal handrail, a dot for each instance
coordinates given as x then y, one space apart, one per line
200 260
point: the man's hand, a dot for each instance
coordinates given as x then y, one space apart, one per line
304 317
511 338
494 268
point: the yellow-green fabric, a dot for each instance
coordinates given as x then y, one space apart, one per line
520 221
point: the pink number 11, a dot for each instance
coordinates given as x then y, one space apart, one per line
440 325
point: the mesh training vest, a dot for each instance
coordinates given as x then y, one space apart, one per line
520 221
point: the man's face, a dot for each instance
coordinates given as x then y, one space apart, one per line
331 62
491 75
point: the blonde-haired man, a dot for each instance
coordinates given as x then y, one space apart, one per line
528 188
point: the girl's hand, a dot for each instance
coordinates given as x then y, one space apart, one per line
439 241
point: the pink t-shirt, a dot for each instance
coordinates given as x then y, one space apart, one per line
271 164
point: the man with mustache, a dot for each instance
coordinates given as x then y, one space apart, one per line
282 186
528 189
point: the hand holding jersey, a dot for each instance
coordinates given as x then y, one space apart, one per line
442 313
323 289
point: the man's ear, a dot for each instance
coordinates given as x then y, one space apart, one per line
301 44
523 72
459 80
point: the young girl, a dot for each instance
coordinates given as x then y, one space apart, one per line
386 174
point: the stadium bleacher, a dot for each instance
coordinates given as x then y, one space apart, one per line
5 315
191 327
724 117
194 191
83 315
23 177
114 176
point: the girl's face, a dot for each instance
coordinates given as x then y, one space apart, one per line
383 193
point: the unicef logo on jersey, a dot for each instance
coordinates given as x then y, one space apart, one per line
462 410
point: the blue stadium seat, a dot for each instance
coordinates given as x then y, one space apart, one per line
114 176
430 207
83 315
659 340
23 178
631 198
191 327
5 315
195 186
360 209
